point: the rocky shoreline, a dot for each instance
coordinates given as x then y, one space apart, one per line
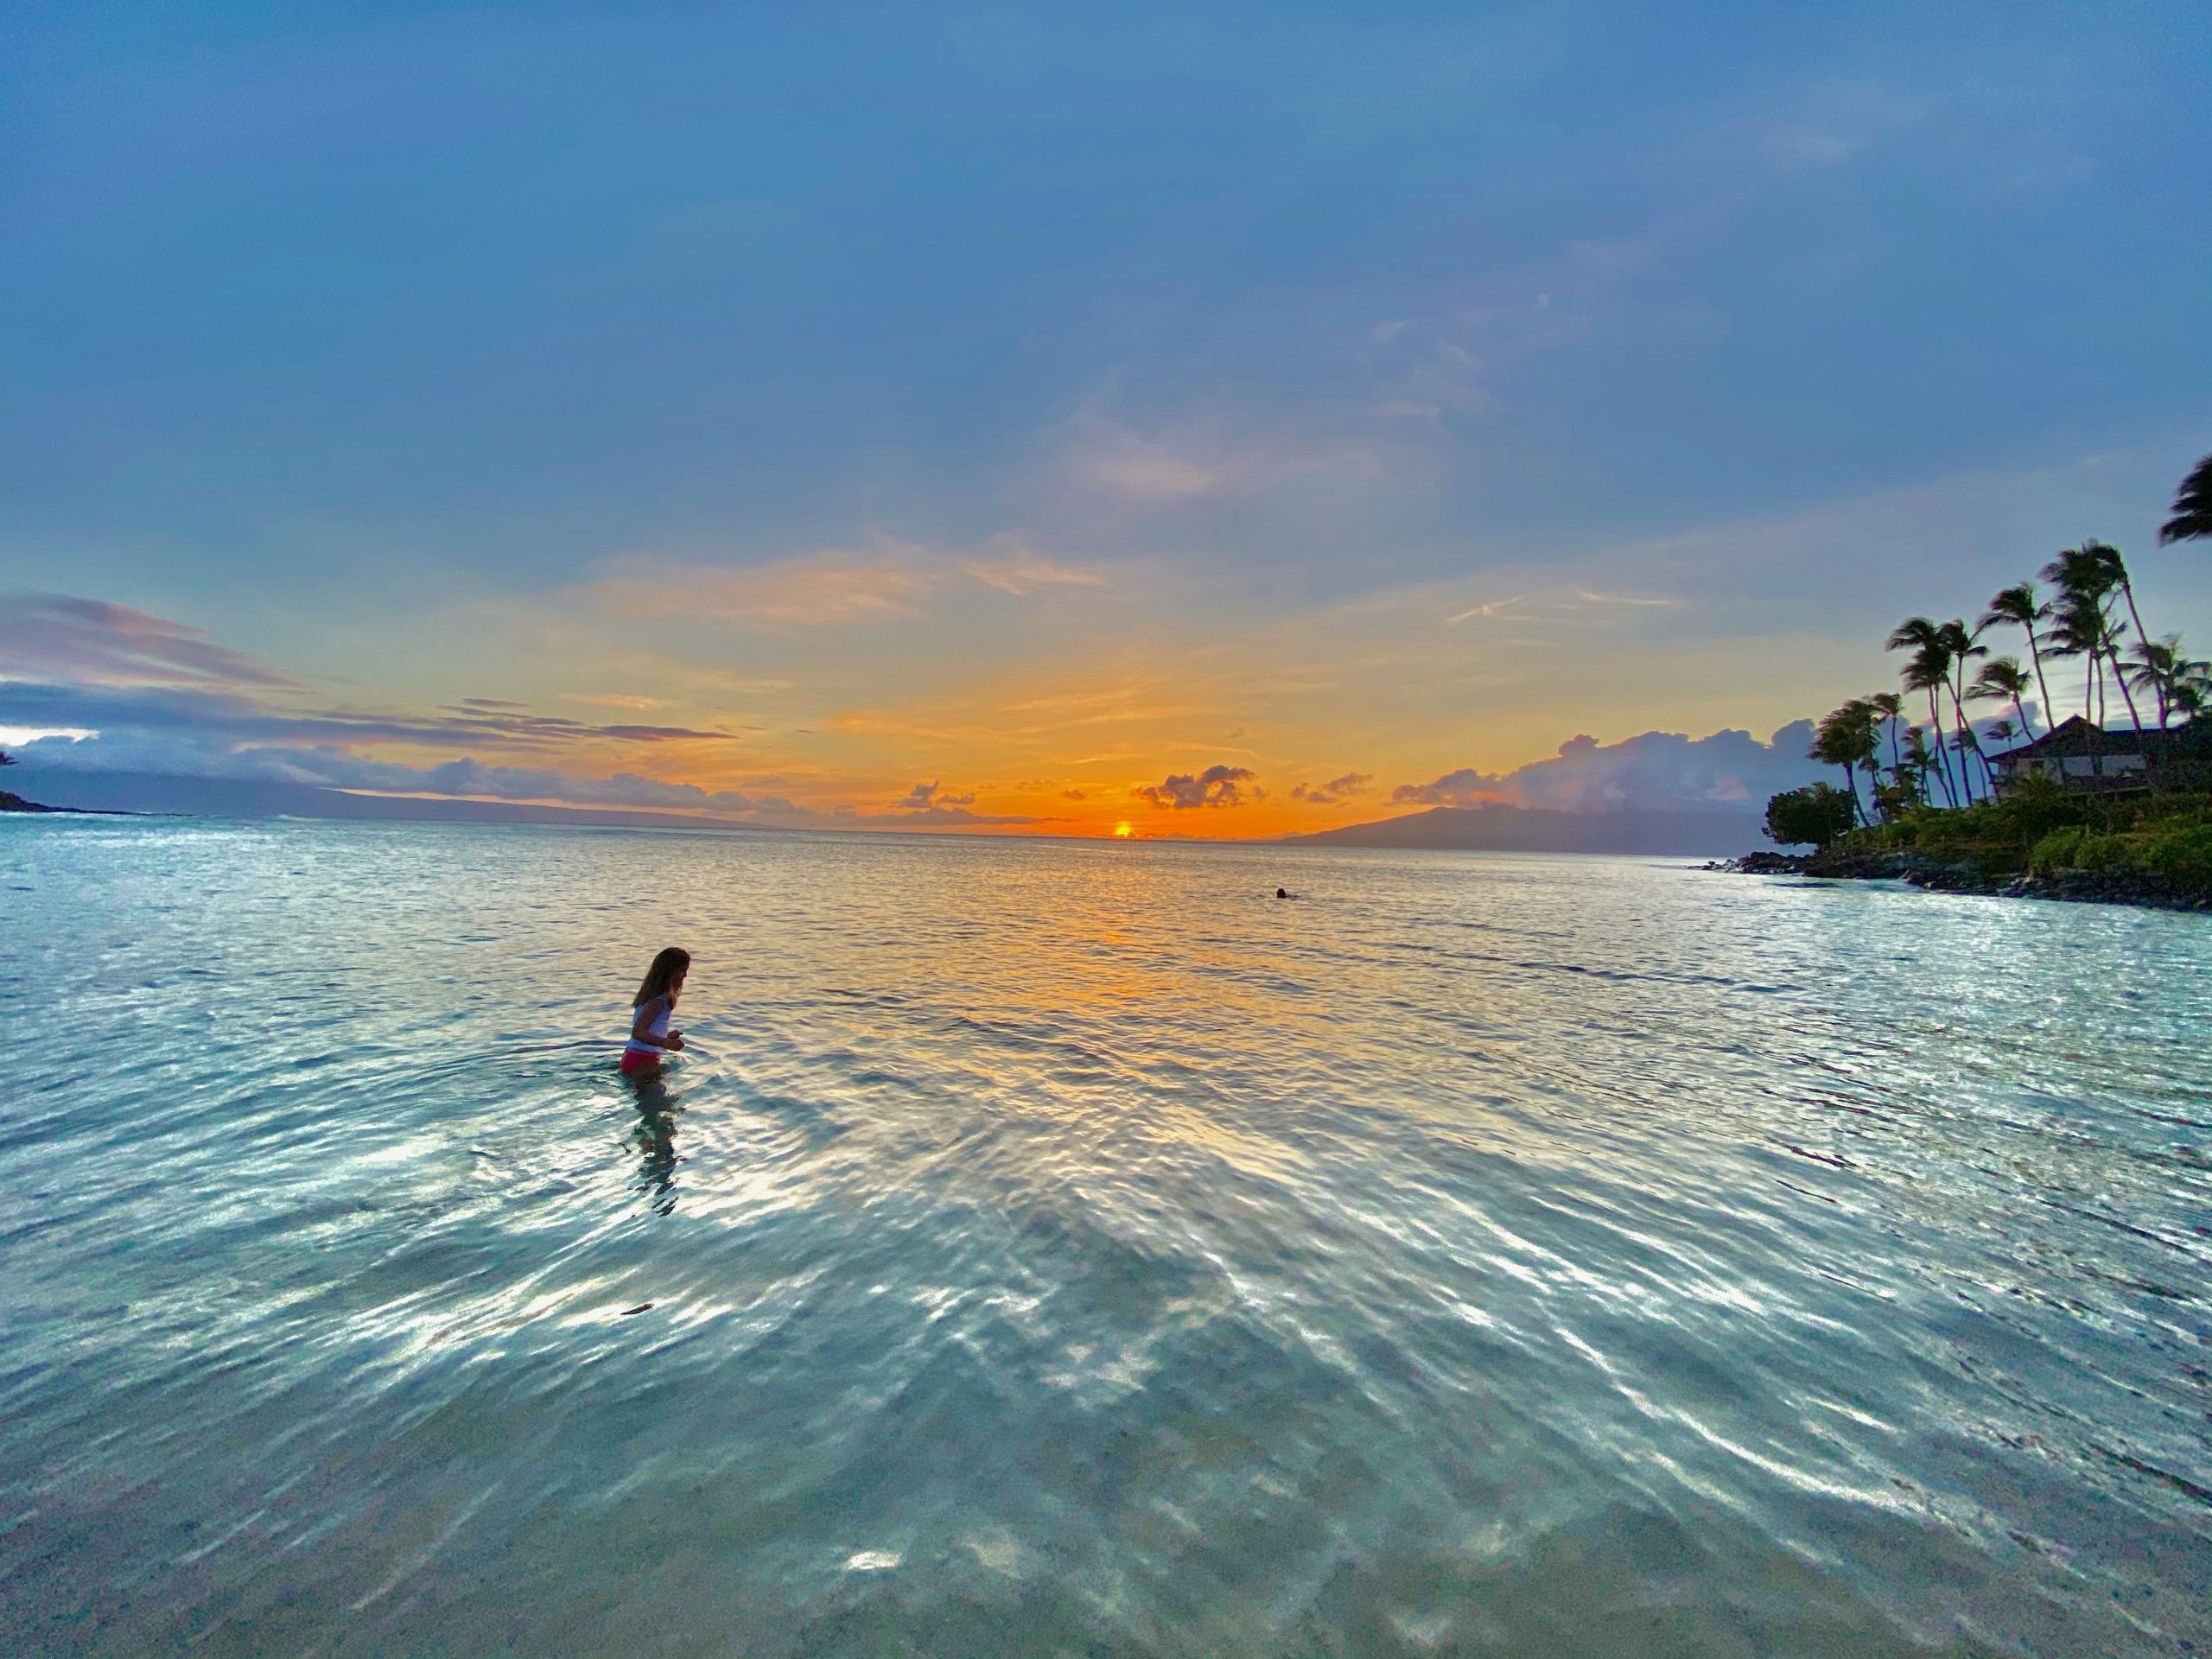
1919 870
13 803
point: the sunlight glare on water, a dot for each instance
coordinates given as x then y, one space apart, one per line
1070 1249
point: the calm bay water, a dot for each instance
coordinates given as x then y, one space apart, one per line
1064 1248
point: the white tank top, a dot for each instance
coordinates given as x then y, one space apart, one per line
658 1028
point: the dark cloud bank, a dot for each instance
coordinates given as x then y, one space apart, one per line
1659 793
1729 771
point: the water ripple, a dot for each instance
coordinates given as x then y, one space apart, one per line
1066 1249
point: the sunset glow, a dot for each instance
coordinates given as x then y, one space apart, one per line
1409 420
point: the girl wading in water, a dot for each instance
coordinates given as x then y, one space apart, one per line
650 1040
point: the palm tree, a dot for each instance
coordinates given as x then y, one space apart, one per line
2002 680
2085 575
1966 743
1916 762
2077 629
1889 708
2153 667
1867 719
2192 519
2078 622
2115 570
1845 737
2017 606
1931 667
2162 666
2191 691
1961 648
1834 745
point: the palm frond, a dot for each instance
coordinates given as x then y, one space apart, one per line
2192 519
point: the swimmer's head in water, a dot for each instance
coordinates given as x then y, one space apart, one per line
665 976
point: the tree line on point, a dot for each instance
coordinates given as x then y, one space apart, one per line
2090 616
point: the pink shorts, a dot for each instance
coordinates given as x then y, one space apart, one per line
638 1060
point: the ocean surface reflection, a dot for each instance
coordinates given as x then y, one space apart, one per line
1072 1249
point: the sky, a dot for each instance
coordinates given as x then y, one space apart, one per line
1212 420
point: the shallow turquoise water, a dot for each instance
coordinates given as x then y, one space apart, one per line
1066 1248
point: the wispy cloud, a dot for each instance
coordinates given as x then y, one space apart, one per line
1181 461
90 642
831 589
242 717
1336 791
926 797
1152 473
885 581
614 700
1554 605
1015 567
1488 609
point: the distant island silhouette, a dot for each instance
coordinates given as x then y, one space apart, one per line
1503 828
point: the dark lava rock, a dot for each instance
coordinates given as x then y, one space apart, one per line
2113 887
1761 864
1841 866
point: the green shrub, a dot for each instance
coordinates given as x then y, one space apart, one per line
2182 853
2038 804
2056 850
1984 821
2109 852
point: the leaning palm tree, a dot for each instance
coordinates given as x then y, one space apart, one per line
2114 633
1845 737
1866 717
2192 519
2192 680
1918 763
1889 711
2078 624
1832 747
2153 671
1961 648
2086 576
2115 569
2191 691
1928 670
2017 606
2162 666
1968 742
2002 681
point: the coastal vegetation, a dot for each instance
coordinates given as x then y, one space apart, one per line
1932 791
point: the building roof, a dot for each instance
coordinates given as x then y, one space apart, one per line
2081 736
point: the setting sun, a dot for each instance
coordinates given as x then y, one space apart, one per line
1123 831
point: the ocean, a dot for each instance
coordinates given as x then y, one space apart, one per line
1070 1249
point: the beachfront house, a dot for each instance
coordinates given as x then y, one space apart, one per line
2081 754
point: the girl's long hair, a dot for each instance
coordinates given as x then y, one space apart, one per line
670 965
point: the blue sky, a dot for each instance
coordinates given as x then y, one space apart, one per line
411 351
